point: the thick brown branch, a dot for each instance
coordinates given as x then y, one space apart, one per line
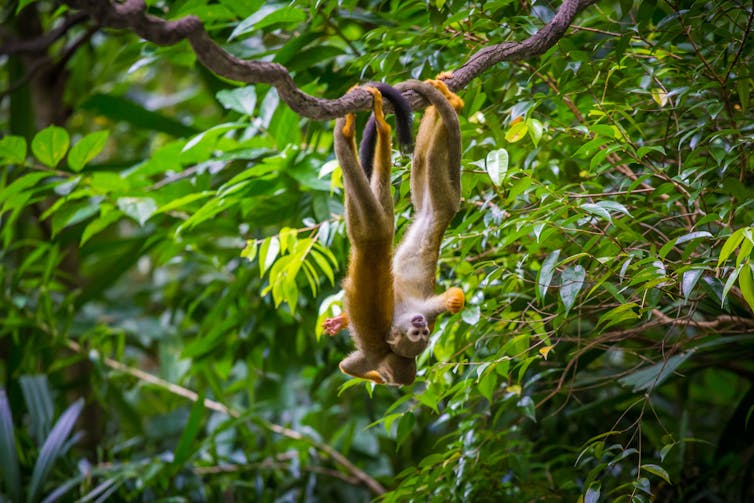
132 15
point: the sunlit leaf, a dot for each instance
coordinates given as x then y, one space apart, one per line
86 149
516 132
50 145
496 164
138 208
12 149
657 470
242 100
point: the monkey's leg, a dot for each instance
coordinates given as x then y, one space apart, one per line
380 181
356 365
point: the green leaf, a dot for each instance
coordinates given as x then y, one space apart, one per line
242 100
730 244
689 280
535 130
184 449
654 375
527 405
544 278
268 252
52 448
87 149
12 150
597 210
118 108
592 494
405 428
8 456
250 250
138 208
657 470
496 164
746 284
50 145
99 224
571 281
516 132
267 15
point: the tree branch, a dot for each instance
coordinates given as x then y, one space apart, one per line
131 15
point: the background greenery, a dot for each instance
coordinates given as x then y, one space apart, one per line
170 237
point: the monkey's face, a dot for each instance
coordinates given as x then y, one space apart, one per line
409 335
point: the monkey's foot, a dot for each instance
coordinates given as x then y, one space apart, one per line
454 299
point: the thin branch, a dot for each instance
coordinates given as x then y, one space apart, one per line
192 396
131 15
42 42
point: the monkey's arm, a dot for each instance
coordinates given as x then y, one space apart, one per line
435 189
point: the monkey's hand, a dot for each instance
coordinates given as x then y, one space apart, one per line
332 326
454 299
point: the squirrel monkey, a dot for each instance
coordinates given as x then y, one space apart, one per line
390 305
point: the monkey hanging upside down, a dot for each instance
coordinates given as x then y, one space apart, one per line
390 304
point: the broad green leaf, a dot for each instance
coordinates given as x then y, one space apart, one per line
86 149
746 284
660 96
654 375
405 428
99 224
597 210
527 405
592 494
487 385
693 235
516 132
50 145
535 130
496 164
571 281
242 100
20 184
657 470
689 281
250 250
12 149
730 244
268 252
614 206
138 208
544 278
267 15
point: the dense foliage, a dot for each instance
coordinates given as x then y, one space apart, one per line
171 242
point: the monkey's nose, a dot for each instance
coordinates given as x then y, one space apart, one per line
418 321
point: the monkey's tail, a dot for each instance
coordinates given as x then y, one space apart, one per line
403 120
